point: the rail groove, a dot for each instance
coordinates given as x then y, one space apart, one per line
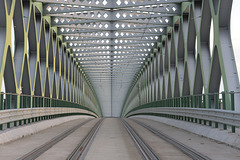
185 149
41 149
146 150
80 151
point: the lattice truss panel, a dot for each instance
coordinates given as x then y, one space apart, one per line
35 60
111 33
112 39
183 63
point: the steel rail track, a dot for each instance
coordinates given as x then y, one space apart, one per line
41 149
185 149
146 150
81 150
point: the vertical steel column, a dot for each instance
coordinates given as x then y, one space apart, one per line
1 102
232 101
216 100
9 97
223 101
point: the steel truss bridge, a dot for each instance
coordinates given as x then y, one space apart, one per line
118 58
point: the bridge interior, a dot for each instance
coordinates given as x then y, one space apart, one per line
144 60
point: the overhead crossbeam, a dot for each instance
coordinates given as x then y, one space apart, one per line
114 55
108 26
119 15
107 42
107 64
83 45
116 34
107 52
147 38
61 8
116 48
103 67
113 59
110 69
104 4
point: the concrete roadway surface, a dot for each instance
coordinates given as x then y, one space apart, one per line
113 142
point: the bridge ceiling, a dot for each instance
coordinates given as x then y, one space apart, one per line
111 39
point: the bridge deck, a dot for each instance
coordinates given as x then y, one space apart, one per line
113 142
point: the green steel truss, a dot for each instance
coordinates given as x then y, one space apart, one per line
36 61
184 66
112 35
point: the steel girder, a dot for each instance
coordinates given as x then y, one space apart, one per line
117 4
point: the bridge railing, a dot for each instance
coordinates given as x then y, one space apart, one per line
222 101
206 109
17 101
19 109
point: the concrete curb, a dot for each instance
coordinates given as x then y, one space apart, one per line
223 136
26 130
